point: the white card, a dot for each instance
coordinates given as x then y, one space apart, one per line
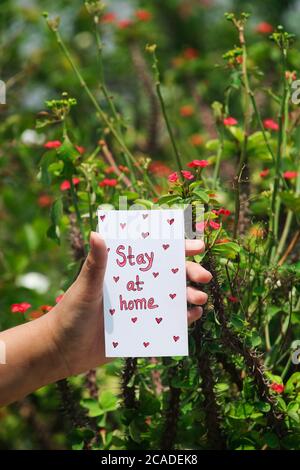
145 307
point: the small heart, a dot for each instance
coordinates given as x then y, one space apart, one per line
102 217
145 234
116 278
115 344
170 221
172 296
155 274
134 319
123 225
158 320
166 246
145 216
108 250
175 270
112 311
176 338
146 344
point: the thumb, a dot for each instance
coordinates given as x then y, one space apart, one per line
89 283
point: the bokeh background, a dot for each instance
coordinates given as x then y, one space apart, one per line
192 36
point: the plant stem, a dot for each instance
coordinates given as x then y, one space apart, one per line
163 108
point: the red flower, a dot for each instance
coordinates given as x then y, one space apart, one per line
52 144
224 211
271 125
143 15
200 226
110 169
289 175
124 24
230 121
264 173
20 308
198 163
58 298
44 200
173 177
45 308
264 28
159 168
66 185
196 140
190 53
278 388
233 299
187 174
214 225
123 168
80 149
291 75
186 110
108 182
108 18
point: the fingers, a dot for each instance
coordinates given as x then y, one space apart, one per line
195 296
90 280
194 314
194 247
197 273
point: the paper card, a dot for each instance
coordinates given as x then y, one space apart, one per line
145 307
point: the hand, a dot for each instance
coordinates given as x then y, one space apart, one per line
76 325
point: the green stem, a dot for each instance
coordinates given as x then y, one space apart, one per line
164 112
219 157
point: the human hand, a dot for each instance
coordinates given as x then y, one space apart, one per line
76 324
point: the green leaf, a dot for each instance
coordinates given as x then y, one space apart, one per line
108 401
149 404
143 204
228 250
291 201
169 199
67 151
93 407
201 194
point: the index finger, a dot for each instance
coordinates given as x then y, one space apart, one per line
194 247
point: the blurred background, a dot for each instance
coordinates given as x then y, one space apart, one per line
192 36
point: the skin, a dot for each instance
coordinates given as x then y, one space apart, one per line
69 339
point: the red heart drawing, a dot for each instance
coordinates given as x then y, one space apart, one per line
166 246
175 270
145 234
155 274
171 221
134 319
123 225
172 296
116 278
145 216
158 320
112 311
146 344
176 338
115 344
102 217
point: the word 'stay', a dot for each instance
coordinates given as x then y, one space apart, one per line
145 309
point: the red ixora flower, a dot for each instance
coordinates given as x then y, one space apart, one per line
52 144
230 121
108 17
186 110
187 174
45 308
124 24
190 53
108 182
264 173
233 299
264 28
214 225
271 125
58 298
20 308
198 163
278 388
223 211
44 200
66 185
290 175
80 149
143 15
173 177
